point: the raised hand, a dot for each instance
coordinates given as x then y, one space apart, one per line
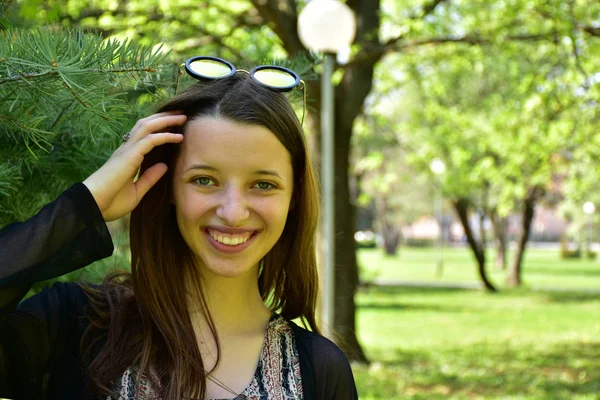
113 185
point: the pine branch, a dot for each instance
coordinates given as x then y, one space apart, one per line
54 73
43 71
64 99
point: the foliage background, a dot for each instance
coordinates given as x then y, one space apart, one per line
505 92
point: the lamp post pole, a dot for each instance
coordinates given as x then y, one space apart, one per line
440 259
438 167
589 208
327 26
328 172
590 237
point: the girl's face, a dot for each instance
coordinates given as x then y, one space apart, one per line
232 188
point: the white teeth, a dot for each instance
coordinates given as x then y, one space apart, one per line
230 241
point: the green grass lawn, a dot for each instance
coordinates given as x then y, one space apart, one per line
444 343
434 343
541 268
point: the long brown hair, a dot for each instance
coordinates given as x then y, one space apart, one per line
142 317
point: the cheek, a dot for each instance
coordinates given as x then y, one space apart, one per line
274 212
190 207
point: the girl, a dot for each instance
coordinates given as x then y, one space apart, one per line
222 232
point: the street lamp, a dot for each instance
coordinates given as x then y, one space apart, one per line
589 209
327 26
438 167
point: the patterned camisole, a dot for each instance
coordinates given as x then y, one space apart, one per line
277 375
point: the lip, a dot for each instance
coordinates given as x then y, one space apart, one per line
230 249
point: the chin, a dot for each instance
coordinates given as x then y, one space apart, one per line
230 270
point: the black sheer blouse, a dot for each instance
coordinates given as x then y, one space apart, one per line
40 337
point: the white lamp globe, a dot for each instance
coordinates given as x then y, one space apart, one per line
326 25
589 208
437 166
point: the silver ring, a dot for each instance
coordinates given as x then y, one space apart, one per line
126 136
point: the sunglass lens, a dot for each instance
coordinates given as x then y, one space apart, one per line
275 78
210 68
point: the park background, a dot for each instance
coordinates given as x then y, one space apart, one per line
466 167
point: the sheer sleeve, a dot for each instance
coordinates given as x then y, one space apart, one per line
326 372
63 236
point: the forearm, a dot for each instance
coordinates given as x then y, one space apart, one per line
65 235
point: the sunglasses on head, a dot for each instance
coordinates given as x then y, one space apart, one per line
280 79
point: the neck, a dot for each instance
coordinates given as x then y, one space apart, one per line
234 304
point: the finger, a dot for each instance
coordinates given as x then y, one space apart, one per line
145 145
145 127
151 117
149 179
126 161
163 114
157 115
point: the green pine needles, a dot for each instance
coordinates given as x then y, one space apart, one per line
65 97
49 76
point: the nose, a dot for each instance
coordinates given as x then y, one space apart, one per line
233 207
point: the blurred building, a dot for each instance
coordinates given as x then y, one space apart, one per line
547 226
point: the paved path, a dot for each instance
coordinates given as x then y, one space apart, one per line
424 284
466 285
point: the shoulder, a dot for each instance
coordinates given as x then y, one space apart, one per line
328 364
61 301
67 295
321 348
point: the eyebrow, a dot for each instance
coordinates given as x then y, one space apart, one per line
258 172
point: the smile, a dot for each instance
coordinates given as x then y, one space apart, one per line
228 243
229 240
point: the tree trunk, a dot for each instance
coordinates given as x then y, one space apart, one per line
482 235
350 95
499 225
349 98
514 274
391 238
346 272
461 207
389 231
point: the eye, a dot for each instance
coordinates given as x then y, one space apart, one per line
203 181
265 186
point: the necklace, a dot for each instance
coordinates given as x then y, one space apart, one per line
224 386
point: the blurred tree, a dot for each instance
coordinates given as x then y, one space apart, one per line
241 30
501 118
397 192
